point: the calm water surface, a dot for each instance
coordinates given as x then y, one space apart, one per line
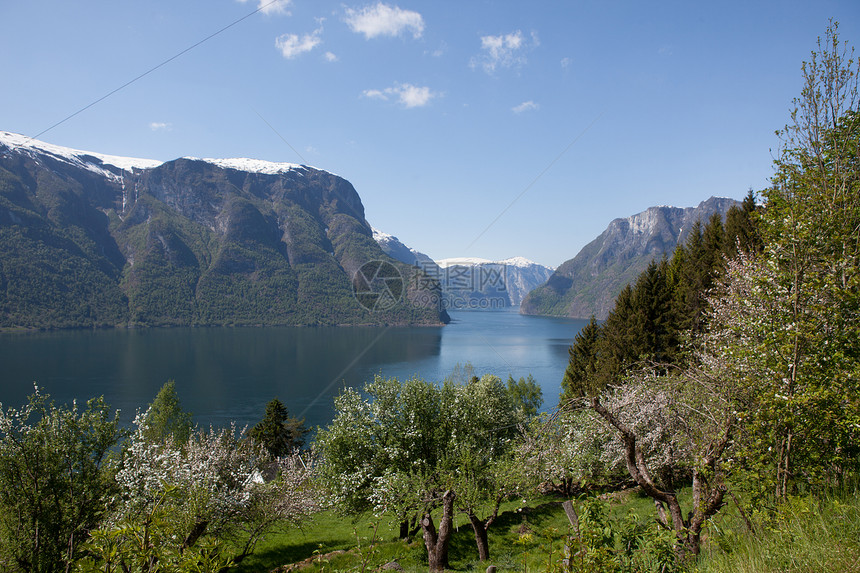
227 374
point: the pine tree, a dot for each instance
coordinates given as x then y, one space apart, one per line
580 376
277 432
742 233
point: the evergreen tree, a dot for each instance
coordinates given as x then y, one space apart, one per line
742 233
654 335
278 432
580 376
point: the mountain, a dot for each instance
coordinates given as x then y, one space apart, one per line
589 283
93 240
472 283
481 283
397 250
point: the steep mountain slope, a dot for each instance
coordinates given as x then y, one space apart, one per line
89 240
397 250
588 283
506 282
472 283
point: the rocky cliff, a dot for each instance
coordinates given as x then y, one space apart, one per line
589 283
90 240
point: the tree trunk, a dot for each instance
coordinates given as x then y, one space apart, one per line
437 541
480 529
198 530
707 498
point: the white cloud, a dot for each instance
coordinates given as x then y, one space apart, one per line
407 95
565 63
330 57
503 51
375 94
272 6
384 20
292 45
415 96
160 126
525 106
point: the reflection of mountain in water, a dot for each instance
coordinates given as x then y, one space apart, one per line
222 375
229 374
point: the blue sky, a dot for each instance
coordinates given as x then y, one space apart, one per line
470 128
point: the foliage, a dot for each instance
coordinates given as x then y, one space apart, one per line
209 487
526 395
277 432
147 544
55 480
601 542
412 446
787 320
566 453
165 417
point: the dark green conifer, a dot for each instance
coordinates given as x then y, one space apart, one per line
580 376
278 432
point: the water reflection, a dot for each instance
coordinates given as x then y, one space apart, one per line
226 374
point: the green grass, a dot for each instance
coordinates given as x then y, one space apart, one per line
530 537
805 534
373 542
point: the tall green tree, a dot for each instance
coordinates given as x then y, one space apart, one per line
794 309
278 432
580 376
165 417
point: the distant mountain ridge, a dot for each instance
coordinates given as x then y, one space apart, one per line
508 280
395 249
94 240
470 282
589 283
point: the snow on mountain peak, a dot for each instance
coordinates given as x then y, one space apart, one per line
21 143
462 262
96 162
380 236
521 262
251 165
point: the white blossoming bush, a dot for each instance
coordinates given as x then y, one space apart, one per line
194 495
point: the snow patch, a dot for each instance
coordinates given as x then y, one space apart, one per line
22 144
520 262
463 262
381 237
251 165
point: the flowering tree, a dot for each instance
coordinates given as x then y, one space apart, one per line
673 421
787 320
412 448
193 494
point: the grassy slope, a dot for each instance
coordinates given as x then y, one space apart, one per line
807 534
531 538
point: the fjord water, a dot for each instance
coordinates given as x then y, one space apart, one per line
228 374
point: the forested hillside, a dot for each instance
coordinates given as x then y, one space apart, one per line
87 243
588 283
